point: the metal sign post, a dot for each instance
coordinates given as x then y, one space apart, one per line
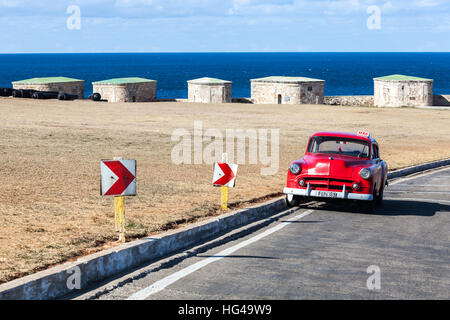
224 189
119 215
224 198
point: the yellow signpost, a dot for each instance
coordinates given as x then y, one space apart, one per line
119 210
225 198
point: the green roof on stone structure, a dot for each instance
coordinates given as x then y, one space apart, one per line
207 80
282 79
124 81
47 80
400 77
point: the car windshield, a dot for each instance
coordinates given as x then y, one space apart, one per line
342 146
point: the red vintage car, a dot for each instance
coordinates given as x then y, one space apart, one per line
338 166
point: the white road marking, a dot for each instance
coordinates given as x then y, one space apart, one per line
412 191
430 185
417 199
163 283
400 180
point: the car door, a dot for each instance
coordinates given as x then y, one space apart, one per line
377 167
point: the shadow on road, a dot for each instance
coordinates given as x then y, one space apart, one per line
301 222
236 256
389 208
410 208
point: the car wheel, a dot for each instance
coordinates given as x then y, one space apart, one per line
380 198
292 200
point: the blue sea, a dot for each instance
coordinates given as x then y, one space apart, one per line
345 73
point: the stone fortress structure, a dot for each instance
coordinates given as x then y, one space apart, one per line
209 90
389 91
126 89
402 91
287 90
56 84
360 101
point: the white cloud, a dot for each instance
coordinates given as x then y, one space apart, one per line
196 24
427 3
10 3
250 8
344 7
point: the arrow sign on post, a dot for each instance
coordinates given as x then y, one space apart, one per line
118 177
225 174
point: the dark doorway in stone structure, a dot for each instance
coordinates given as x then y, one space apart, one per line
279 99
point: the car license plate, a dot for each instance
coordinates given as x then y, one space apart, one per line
327 194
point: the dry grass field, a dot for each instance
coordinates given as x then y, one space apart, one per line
50 207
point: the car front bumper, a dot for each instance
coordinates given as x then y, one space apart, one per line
328 194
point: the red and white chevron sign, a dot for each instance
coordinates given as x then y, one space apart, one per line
224 174
118 177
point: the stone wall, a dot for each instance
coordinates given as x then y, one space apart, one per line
76 88
287 93
363 101
403 93
130 92
209 93
366 101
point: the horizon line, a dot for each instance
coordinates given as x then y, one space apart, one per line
209 52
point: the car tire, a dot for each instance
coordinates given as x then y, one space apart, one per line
380 198
292 200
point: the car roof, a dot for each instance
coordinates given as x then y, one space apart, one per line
343 135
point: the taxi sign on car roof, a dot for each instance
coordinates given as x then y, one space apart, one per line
363 133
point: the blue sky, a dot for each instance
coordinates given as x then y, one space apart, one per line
224 25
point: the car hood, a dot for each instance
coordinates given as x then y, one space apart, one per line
332 165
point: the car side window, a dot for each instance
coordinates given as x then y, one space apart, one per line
375 153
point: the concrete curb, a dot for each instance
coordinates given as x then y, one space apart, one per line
52 283
418 168
433 108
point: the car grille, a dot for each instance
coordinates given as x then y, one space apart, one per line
329 184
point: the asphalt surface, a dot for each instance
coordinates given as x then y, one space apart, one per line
318 251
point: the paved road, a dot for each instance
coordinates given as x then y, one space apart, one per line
318 252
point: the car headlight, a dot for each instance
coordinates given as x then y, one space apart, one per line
365 173
295 168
